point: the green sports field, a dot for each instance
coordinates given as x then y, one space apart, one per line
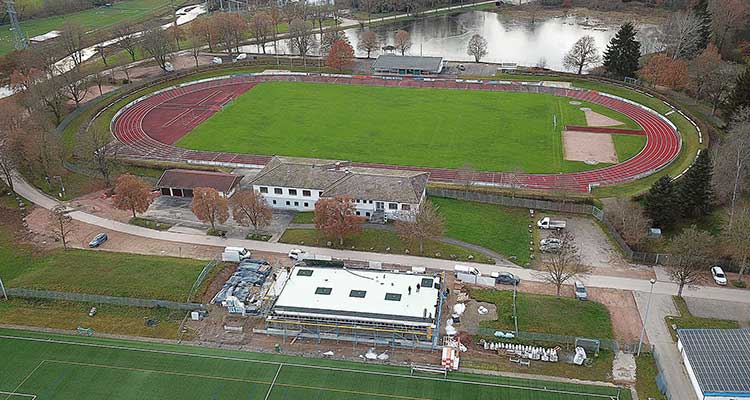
491 131
46 366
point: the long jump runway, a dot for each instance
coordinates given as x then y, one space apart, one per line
150 126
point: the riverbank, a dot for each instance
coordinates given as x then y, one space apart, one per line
589 16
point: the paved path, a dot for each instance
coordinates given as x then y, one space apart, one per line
678 383
666 288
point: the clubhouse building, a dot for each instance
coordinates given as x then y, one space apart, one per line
408 65
378 194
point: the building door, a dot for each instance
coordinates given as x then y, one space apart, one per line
379 205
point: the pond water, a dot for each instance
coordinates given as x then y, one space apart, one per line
520 41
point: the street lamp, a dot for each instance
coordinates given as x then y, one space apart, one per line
645 318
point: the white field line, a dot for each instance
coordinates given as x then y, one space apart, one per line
15 391
31 396
320 367
273 382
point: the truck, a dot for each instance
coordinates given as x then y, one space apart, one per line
465 269
301 255
235 254
549 223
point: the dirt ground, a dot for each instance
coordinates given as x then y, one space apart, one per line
593 118
626 321
589 147
471 318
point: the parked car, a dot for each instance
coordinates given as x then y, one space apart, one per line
296 254
506 278
719 276
461 67
98 240
217 60
581 293
240 57
550 244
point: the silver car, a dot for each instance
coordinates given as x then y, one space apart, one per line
581 293
550 244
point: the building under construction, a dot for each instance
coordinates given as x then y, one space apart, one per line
359 305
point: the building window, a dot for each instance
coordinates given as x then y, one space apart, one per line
393 296
406 207
287 202
324 290
277 191
263 189
320 194
358 294
187 192
367 214
165 191
296 203
306 205
292 192
306 193
358 213
427 282
274 202
393 206
304 272
370 201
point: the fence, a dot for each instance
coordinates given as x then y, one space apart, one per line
202 276
93 298
661 381
494 198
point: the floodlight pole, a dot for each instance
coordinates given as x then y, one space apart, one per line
645 318
515 314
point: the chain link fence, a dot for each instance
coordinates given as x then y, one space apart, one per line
99 299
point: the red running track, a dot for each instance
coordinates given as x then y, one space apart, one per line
150 126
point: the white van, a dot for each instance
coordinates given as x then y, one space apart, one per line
465 269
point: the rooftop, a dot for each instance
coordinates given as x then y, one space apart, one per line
719 358
359 294
337 178
190 179
392 61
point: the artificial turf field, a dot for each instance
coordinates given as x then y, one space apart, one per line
46 366
490 131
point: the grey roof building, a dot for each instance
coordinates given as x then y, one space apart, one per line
408 65
297 183
717 361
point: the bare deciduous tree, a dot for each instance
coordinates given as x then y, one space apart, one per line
60 224
301 38
48 95
71 40
727 17
564 264
732 164
682 34
250 208
583 54
477 47
335 218
262 28
422 225
132 194
75 86
156 43
368 41
230 28
737 236
98 152
11 121
689 257
402 41
127 40
209 206
629 220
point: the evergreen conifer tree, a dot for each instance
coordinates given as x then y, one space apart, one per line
660 203
740 96
700 10
623 52
696 194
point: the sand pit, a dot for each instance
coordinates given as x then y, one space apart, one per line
589 147
593 118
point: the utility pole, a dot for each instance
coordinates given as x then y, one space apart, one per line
645 317
20 41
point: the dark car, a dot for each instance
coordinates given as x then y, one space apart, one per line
98 240
506 278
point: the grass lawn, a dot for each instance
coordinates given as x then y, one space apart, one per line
493 131
498 228
91 19
686 320
84 368
600 369
626 146
108 319
149 223
646 372
303 218
97 272
378 241
547 314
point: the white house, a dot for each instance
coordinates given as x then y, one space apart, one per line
298 183
717 362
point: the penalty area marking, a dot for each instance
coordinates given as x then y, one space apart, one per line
15 391
319 367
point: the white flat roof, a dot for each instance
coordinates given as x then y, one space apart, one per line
299 296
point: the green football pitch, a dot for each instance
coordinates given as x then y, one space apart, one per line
46 366
490 131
